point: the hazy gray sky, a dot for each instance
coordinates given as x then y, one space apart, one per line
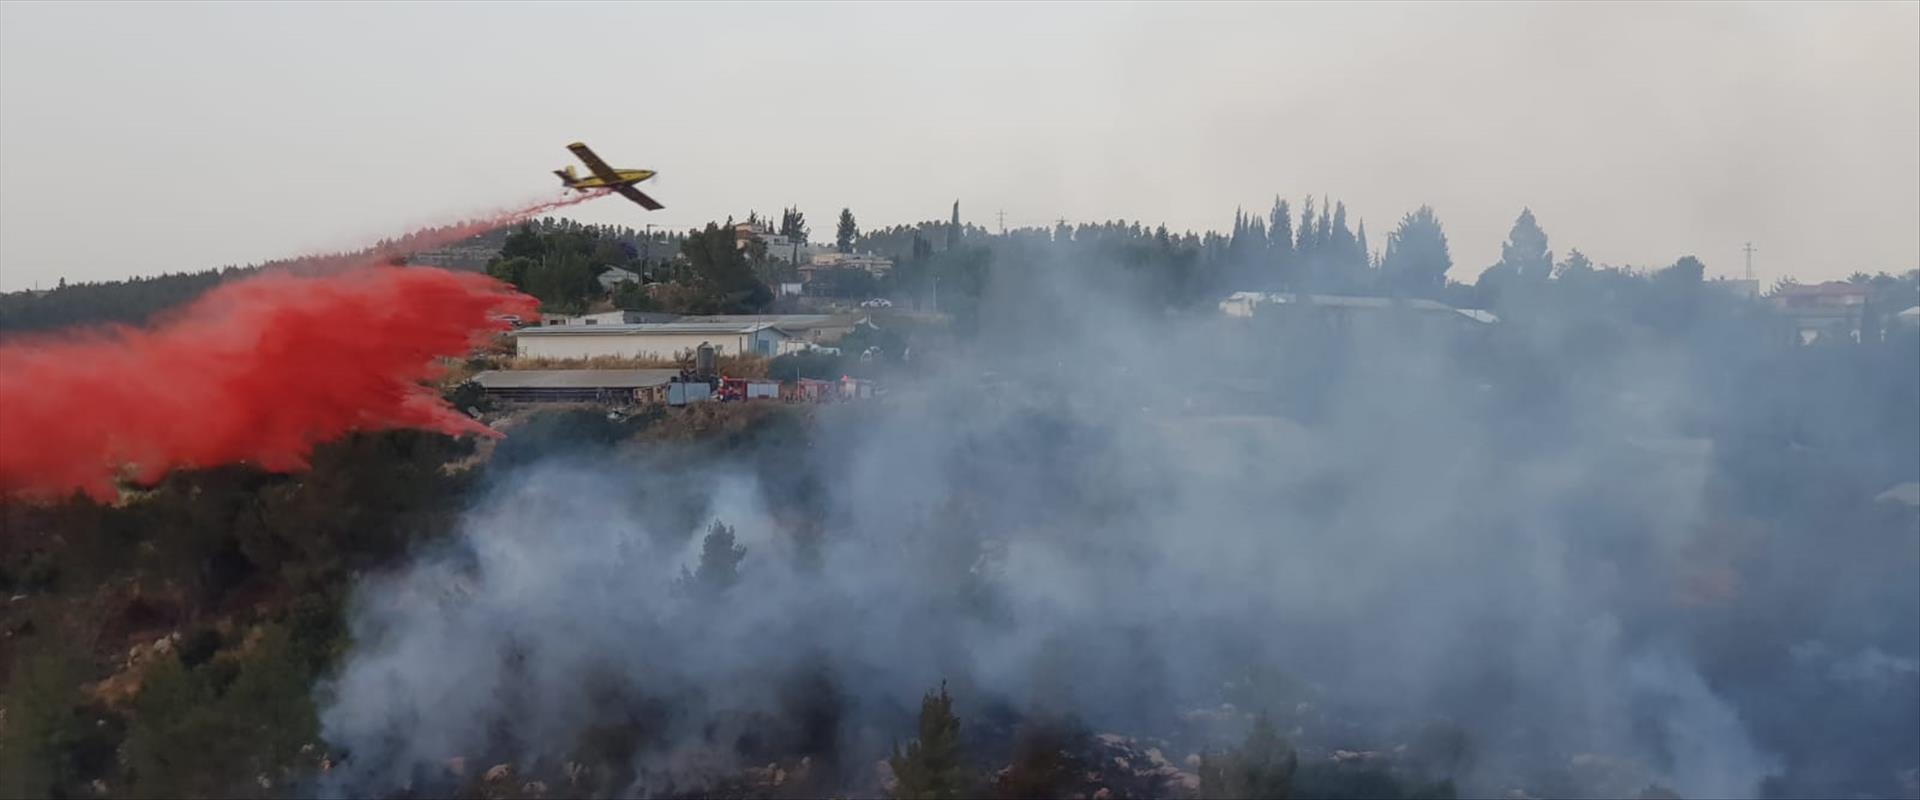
142 138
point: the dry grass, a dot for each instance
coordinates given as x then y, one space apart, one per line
454 371
718 422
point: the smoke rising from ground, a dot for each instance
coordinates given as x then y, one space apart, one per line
1128 517
257 370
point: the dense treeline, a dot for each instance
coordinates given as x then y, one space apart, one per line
946 265
130 302
136 301
705 272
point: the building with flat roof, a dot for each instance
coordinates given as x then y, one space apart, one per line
779 246
607 318
656 340
1831 310
873 263
572 385
1249 304
614 276
1325 319
815 328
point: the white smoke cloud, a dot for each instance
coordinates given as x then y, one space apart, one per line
1071 540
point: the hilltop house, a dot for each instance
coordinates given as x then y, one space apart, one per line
876 264
614 276
779 247
1828 310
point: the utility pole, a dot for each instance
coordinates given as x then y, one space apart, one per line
1749 250
646 249
1003 222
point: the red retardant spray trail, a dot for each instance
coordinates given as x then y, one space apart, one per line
257 370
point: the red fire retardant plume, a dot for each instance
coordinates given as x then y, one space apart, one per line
258 370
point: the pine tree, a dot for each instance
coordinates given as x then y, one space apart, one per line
1280 234
953 227
1305 249
929 768
1366 253
719 567
1575 266
1524 262
1416 261
847 232
1346 260
793 225
1525 254
1323 230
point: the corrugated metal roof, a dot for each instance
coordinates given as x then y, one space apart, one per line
782 321
1345 301
1354 301
573 378
647 329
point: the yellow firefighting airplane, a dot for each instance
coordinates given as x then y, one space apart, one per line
605 177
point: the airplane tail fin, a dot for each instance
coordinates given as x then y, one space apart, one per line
566 175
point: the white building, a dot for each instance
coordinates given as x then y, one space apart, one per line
657 341
1831 310
779 247
1247 304
607 318
1341 317
614 276
876 264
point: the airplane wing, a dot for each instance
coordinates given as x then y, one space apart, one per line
637 196
593 162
